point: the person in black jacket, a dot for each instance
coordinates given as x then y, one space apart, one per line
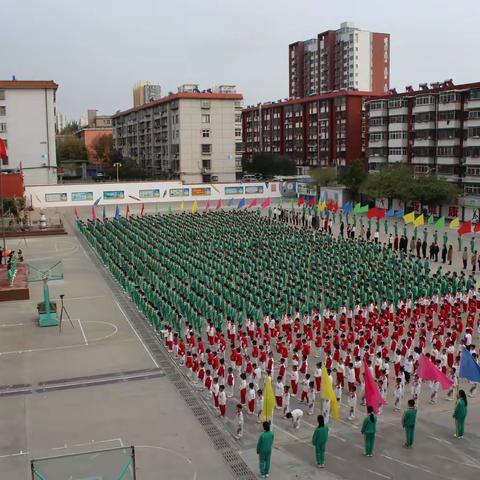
436 251
444 253
424 249
418 247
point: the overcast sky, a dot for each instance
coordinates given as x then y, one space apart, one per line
97 49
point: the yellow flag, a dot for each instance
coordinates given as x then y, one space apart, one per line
194 207
455 223
182 206
268 400
328 393
420 220
321 206
409 217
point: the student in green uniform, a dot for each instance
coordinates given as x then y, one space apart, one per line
369 428
264 449
408 423
460 414
319 440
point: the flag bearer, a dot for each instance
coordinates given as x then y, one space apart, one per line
264 449
319 440
369 428
408 423
460 414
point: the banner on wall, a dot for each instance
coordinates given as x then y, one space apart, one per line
114 195
254 189
56 197
201 191
152 193
233 190
179 192
306 189
82 196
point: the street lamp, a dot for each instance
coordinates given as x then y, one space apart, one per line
117 165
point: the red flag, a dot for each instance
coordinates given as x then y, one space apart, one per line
330 205
477 228
142 209
465 228
127 212
207 205
219 204
265 203
301 201
3 151
94 213
311 202
372 212
380 213
372 395
428 371
75 212
252 203
335 207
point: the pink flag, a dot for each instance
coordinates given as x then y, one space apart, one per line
142 209
252 203
94 213
75 212
219 204
207 206
428 371
372 394
127 212
265 203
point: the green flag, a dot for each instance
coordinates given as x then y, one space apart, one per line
440 223
170 211
364 209
430 220
357 208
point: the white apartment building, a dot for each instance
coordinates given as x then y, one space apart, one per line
192 135
27 125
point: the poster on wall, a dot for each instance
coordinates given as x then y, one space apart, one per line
56 197
179 192
114 195
233 190
153 193
254 189
82 196
201 191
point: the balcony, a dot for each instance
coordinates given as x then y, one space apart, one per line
448 177
379 112
424 125
398 111
470 104
472 122
377 159
448 160
398 142
397 159
377 143
471 178
448 142
472 142
443 107
424 142
377 128
429 107
449 124
423 160
472 161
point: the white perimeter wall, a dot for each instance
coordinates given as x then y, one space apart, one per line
78 195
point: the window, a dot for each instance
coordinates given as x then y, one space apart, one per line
205 104
397 151
475 94
473 171
238 132
378 105
449 97
206 148
377 136
206 133
397 103
377 121
424 100
3 127
474 132
205 118
238 117
2 94
474 114
206 164
397 135
472 189
449 115
421 169
447 151
398 119
3 111
239 147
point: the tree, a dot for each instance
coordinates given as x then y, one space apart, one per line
70 129
129 170
324 176
430 190
70 148
269 164
103 148
353 176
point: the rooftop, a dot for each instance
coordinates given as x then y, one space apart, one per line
28 84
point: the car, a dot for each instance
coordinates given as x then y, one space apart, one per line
250 177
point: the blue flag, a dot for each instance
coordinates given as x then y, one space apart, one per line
347 208
97 201
117 213
400 213
104 214
390 213
241 203
469 368
230 202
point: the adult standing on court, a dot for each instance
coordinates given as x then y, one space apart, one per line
408 423
369 428
460 414
264 449
319 440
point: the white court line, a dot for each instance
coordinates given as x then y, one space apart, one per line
83 331
115 330
138 336
460 463
21 452
407 464
11 325
377 473
338 458
441 440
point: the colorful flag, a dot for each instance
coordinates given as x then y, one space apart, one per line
301 201
347 208
241 203
75 212
311 202
265 203
94 213
104 213
455 223
321 206
372 395
477 228
230 202
207 205
169 211
390 212
182 205
430 220
357 208
465 228
117 213
127 212
328 393
409 217
372 212
428 371
219 204
400 213
440 223
252 203
330 205
195 207
419 221
268 400
142 209
469 368
3 151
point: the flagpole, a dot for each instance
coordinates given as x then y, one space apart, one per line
4 250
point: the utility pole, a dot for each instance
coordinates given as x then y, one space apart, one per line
117 165
2 213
